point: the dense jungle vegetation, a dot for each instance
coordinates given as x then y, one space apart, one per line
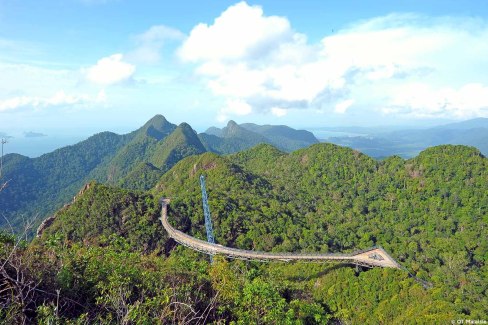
107 259
40 186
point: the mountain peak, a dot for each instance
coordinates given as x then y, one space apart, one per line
232 124
234 129
157 119
185 126
182 142
214 131
158 127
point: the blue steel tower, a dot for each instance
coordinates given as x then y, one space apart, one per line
206 212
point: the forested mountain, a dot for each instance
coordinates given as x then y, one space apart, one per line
230 139
181 143
408 143
139 150
112 261
282 136
39 186
235 137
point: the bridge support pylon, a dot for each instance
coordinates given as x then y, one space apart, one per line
206 212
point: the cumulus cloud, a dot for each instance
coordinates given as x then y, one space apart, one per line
58 99
234 107
423 101
110 70
419 66
342 107
239 32
150 43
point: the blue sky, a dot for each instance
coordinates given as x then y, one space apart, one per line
82 66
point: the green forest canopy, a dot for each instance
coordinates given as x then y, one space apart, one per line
429 212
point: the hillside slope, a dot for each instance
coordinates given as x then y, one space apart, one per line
139 150
38 186
429 212
182 142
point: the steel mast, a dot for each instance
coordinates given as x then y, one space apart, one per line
206 212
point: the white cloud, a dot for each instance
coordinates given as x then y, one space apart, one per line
342 107
234 107
150 43
422 101
18 79
110 70
239 32
250 58
279 112
16 102
58 99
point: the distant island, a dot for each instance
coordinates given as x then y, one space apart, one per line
31 134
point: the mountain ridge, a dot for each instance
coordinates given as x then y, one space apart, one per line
134 160
236 137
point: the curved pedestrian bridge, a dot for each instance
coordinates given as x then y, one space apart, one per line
373 257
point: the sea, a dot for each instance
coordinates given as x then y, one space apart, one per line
36 146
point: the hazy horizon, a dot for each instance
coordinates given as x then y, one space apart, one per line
33 143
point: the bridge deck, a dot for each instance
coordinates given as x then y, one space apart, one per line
372 257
